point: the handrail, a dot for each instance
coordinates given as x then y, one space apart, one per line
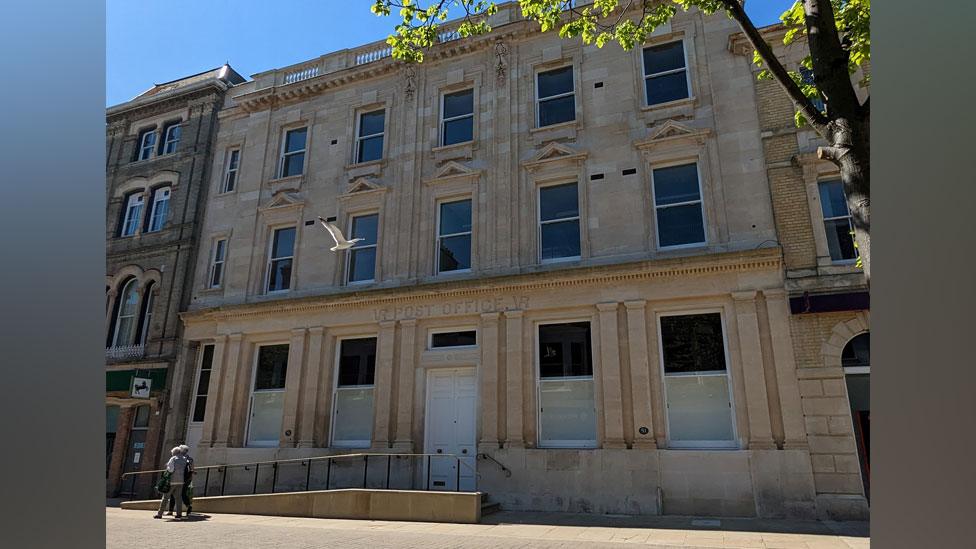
508 472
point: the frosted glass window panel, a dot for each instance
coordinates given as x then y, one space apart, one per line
568 415
266 412
698 408
353 417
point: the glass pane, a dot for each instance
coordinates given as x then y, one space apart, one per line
679 225
353 416
371 149
266 412
231 181
692 343
219 253
455 253
280 278
365 227
293 165
357 362
561 239
667 87
564 350
159 216
217 274
832 199
200 408
458 131
204 384
111 419
272 367
371 122
234 159
207 360
676 184
665 57
555 82
840 241
698 408
284 243
567 411
132 219
124 331
453 339
458 103
362 264
859 391
456 217
141 418
130 298
295 140
857 352
554 111
558 201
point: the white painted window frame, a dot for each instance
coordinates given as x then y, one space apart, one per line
350 444
284 155
825 219
119 316
250 405
358 246
169 140
555 444
540 222
230 169
160 195
271 260
361 138
196 386
539 100
647 77
444 120
146 149
437 249
216 262
148 301
448 330
135 199
700 202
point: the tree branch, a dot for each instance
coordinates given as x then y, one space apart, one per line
830 59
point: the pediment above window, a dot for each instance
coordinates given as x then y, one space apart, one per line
453 171
284 199
363 191
671 132
364 185
554 154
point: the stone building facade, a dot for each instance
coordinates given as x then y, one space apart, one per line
569 276
158 158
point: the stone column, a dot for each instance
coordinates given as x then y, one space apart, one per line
181 385
122 428
489 378
613 420
750 348
214 390
293 385
640 374
310 389
513 379
407 371
382 385
228 390
789 391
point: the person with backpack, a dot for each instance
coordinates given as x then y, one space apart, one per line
177 468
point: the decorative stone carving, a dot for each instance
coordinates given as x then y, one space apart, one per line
410 82
501 62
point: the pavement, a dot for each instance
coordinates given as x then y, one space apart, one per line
506 529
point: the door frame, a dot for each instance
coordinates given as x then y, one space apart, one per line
477 416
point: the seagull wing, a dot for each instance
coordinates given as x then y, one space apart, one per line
333 231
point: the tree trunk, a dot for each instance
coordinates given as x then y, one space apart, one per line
850 150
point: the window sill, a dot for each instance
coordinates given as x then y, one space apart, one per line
463 150
378 163
284 180
679 247
561 130
679 108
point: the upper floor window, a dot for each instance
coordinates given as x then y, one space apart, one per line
369 138
362 256
203 385
147 142
147 312
133 214
454 236
160 209
216 276
230 171
457 125
665 73
678 206
559 222
567 411
293 153
171 137
556 100
125 320
806 75
280 259
837 221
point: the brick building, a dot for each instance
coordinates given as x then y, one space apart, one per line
158 157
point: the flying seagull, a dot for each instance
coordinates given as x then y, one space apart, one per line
340 240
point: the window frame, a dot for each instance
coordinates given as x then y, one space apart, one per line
227 172
120 304
136 220
214 263
732 444
444 120
539 100
358 246
250 405
540 223
283 154
168 140
448 330
360 138
146 150
146 311
351 444
270 260
824 220
645 77
439 236
569 444
196 384
158 198
700 202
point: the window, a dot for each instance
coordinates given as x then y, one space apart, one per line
267 396
454 236
665 73
369 139
352 425
137 439
837 221
147 312
556 100
567 414
362 256
133 214
806 75
160 208
147 141
203 385
457 125
678 206
171 138
280 259
857 354
217 263
230 171
125 320
293 153
463 338
559 230
696 381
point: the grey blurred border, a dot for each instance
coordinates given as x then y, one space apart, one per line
923 378
52 304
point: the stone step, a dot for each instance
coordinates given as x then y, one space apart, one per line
488 508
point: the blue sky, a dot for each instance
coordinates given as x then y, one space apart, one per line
150 42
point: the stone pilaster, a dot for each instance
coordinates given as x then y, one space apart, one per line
123 427
293 385
310 389
613 421
228 390
214 390
489 378
794 426
407 371
640 374
750 349
513 379
383 385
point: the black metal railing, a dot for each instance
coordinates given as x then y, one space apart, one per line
489 457
143 482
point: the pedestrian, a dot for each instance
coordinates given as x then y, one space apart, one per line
187 494
176 467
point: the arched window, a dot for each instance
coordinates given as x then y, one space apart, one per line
132 214
125 320
857 354
160 209
147 311
856 360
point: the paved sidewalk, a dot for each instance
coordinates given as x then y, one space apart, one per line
127 529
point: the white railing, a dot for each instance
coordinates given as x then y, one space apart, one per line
301 74
125 352
373 55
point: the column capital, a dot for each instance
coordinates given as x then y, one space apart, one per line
490 317
236 337
408 322
636 304
514 313
775 293
607 307
387 324
744 295
316 330
298 332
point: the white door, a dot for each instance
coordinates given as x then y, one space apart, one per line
194 431
451 428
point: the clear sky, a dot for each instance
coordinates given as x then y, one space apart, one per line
151 42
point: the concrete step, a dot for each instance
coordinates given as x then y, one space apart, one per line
489 507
